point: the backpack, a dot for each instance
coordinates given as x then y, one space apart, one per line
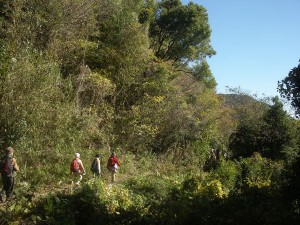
111 162
7 166
74 166
94 166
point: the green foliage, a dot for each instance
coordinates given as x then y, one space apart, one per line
177 118
30 94
292 185
91 76
280 134
138 128
246 139
201 149
147 12
180 32
213 190
289 88
227 172
121 51
103 77
169 197
14 212
6 11
202 73
274 135
4 64
154 188
259 172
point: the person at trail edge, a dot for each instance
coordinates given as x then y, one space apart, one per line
8 166
96 166
113 165
77 169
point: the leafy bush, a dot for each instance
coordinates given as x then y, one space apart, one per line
227 172
260 172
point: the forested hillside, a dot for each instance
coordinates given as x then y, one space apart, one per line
131 76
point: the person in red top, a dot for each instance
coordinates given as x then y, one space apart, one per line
113 165
77 169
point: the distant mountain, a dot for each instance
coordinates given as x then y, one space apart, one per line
235 100
244 103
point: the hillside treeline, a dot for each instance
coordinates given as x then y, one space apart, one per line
95 76
90 75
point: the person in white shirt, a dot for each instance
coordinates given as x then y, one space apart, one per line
77 169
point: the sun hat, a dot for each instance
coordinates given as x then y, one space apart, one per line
9 150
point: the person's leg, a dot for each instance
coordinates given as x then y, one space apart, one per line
10 189
79 179
76 178
113 176
2 193
6 186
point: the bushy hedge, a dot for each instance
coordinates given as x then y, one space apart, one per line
223 196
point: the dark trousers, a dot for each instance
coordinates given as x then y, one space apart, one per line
8 185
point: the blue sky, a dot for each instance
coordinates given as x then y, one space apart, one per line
257 42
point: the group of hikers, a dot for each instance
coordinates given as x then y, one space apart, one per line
9 165
77 168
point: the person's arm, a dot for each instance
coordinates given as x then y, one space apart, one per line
82 167
16 166
117 161
98 163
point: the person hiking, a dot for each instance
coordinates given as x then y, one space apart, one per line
96 166
113 165
8 167
77 169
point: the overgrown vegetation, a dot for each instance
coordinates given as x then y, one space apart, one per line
132 77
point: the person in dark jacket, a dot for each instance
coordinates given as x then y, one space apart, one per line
96 166
113 165
8 167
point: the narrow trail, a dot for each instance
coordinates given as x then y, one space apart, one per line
66 187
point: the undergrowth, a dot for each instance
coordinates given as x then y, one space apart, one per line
152 194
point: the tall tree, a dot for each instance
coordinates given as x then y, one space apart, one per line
180 32
274 135
279 133
36 102
120 51
246 139
201 72
289 88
